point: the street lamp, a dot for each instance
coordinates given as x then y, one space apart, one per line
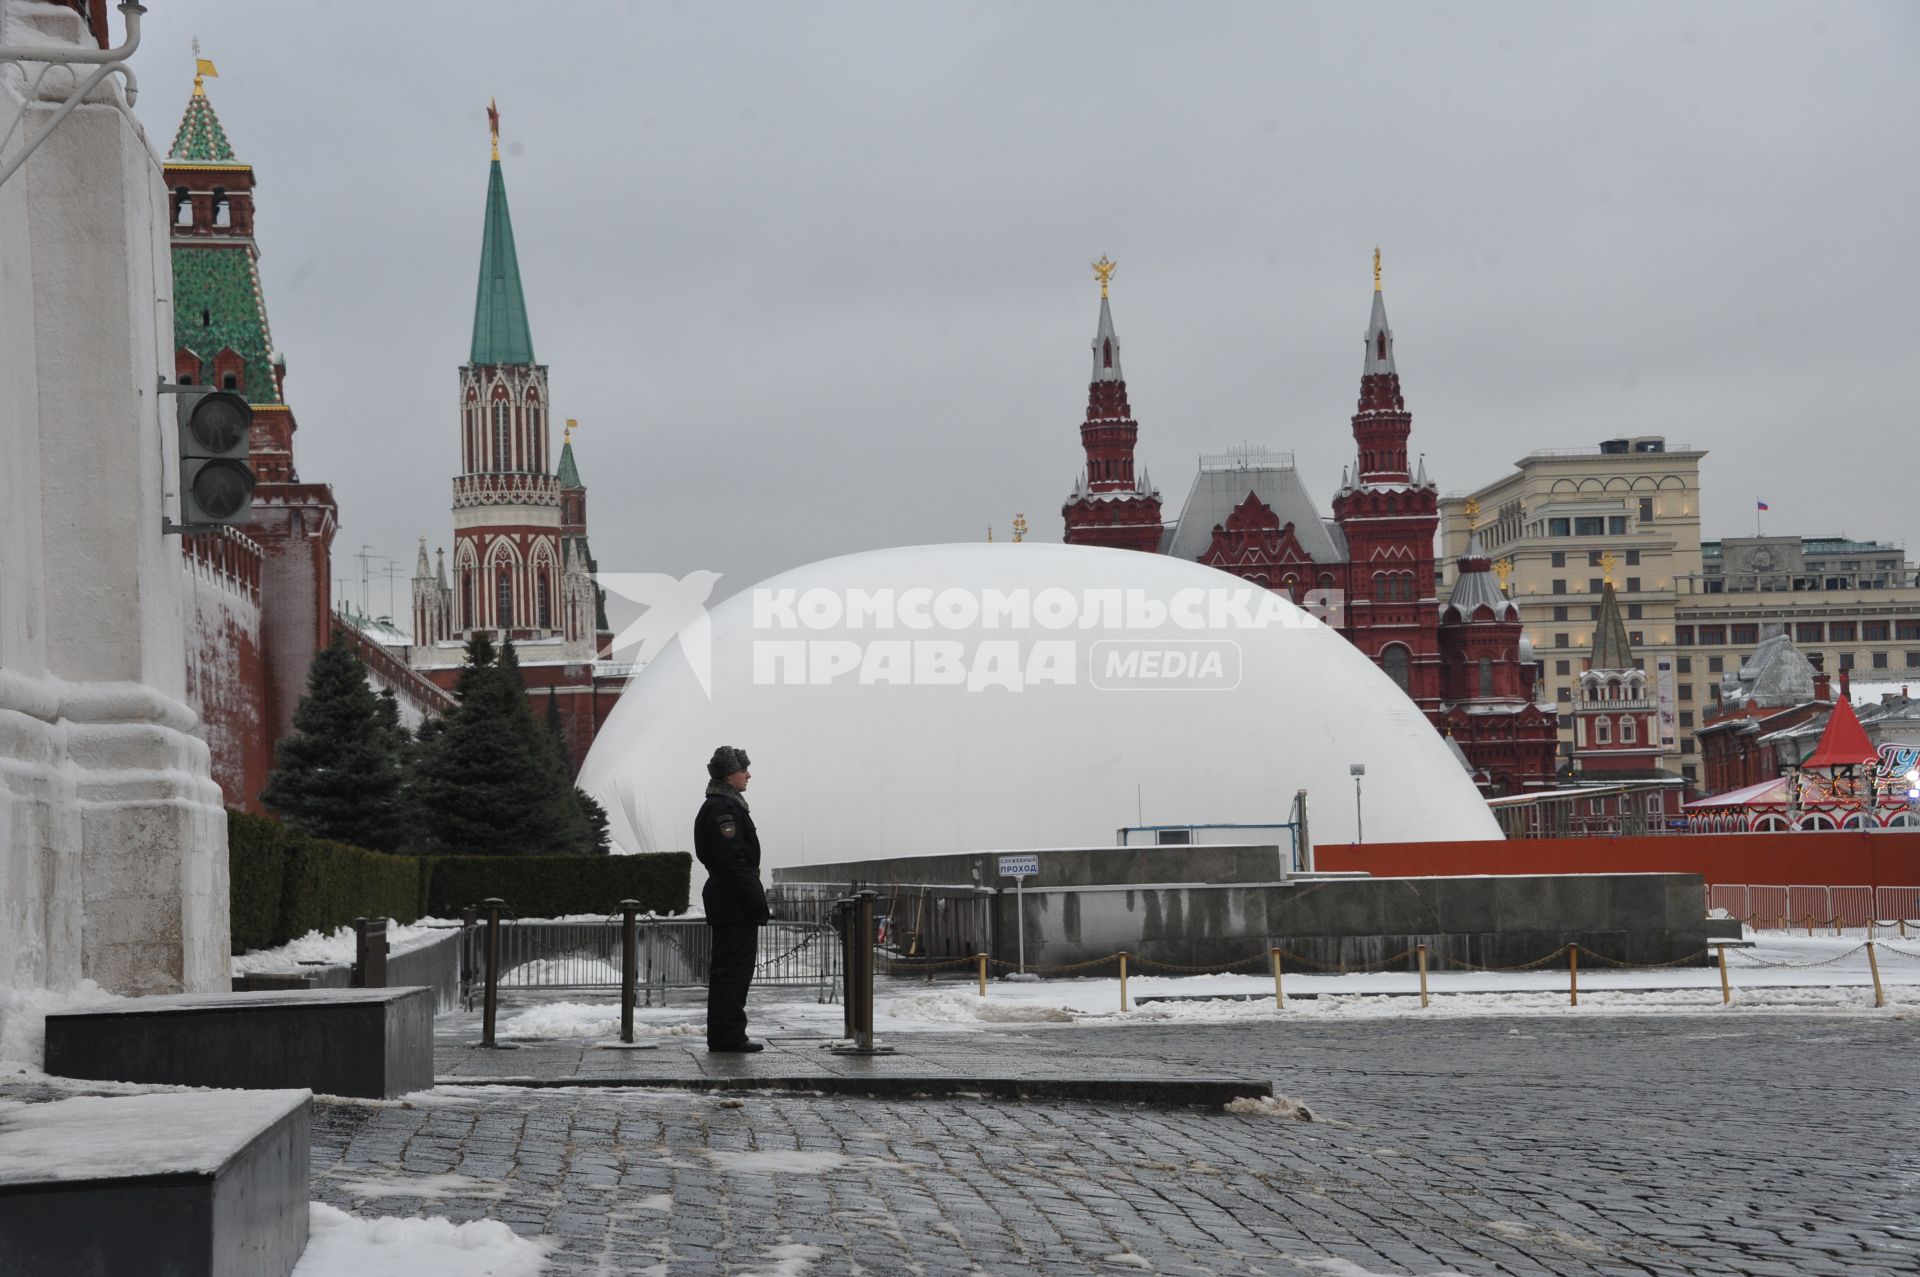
1357 770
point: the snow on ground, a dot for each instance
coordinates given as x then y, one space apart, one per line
380 1181
1779 975
339 946
1270 1106
343 1245
587 1020
790 1259
1335 1266
23 1021
784 1161
561 971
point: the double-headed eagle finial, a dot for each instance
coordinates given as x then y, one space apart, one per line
1103 271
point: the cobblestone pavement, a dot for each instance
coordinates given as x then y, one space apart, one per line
1698 1145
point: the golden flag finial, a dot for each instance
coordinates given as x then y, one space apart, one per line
202 68
1019 527
1606 567
1103 270
566 436
1376 270
1504 570
493 125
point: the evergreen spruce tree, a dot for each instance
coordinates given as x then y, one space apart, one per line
486 782
490 779
589 825
420 760
595 817
339 775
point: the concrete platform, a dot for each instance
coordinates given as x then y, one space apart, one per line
369 1043
1002 1066
172 1185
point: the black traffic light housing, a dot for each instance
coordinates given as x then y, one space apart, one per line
216 481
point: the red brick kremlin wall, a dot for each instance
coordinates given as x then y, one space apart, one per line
226 669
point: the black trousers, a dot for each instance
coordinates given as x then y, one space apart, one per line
728 977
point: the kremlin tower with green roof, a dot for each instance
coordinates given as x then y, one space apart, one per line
521 564
260 598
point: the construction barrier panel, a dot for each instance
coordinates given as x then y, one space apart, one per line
1890 858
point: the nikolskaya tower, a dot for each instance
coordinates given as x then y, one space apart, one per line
521 566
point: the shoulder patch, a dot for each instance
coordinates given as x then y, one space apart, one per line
729 827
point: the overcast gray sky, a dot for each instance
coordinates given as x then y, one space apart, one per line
814 277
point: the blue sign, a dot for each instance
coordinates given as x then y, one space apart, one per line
1019 866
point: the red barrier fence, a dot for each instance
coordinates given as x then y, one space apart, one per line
1788 908
1837 858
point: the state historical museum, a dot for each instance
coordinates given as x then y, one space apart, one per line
1464 660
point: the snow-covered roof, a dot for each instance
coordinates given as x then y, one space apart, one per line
1216 492
1776 674
1767 791
850 764
1864 694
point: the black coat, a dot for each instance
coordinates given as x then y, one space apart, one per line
728 846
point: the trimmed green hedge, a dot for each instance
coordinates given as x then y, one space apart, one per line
551 886
256 874
329 884
283 884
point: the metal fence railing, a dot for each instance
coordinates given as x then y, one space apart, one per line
1784 908
911 921
672 954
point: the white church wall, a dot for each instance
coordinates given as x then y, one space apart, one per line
39 824
114 832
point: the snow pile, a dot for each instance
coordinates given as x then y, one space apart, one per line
586 1020
560 971
23 1021
963 1006
343 1245
1270 1106
338 947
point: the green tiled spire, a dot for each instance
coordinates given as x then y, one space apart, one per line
217 305
500 334
569 475
200 140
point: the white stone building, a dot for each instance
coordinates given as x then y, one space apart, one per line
113 861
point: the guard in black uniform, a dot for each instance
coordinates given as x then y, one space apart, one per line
726 843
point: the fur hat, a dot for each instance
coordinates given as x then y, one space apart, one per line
726 761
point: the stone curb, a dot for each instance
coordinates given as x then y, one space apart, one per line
1161 1092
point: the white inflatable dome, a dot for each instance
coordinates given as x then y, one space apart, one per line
898 702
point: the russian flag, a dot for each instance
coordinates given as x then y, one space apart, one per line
1761 504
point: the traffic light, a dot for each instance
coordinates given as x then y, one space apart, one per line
216 483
